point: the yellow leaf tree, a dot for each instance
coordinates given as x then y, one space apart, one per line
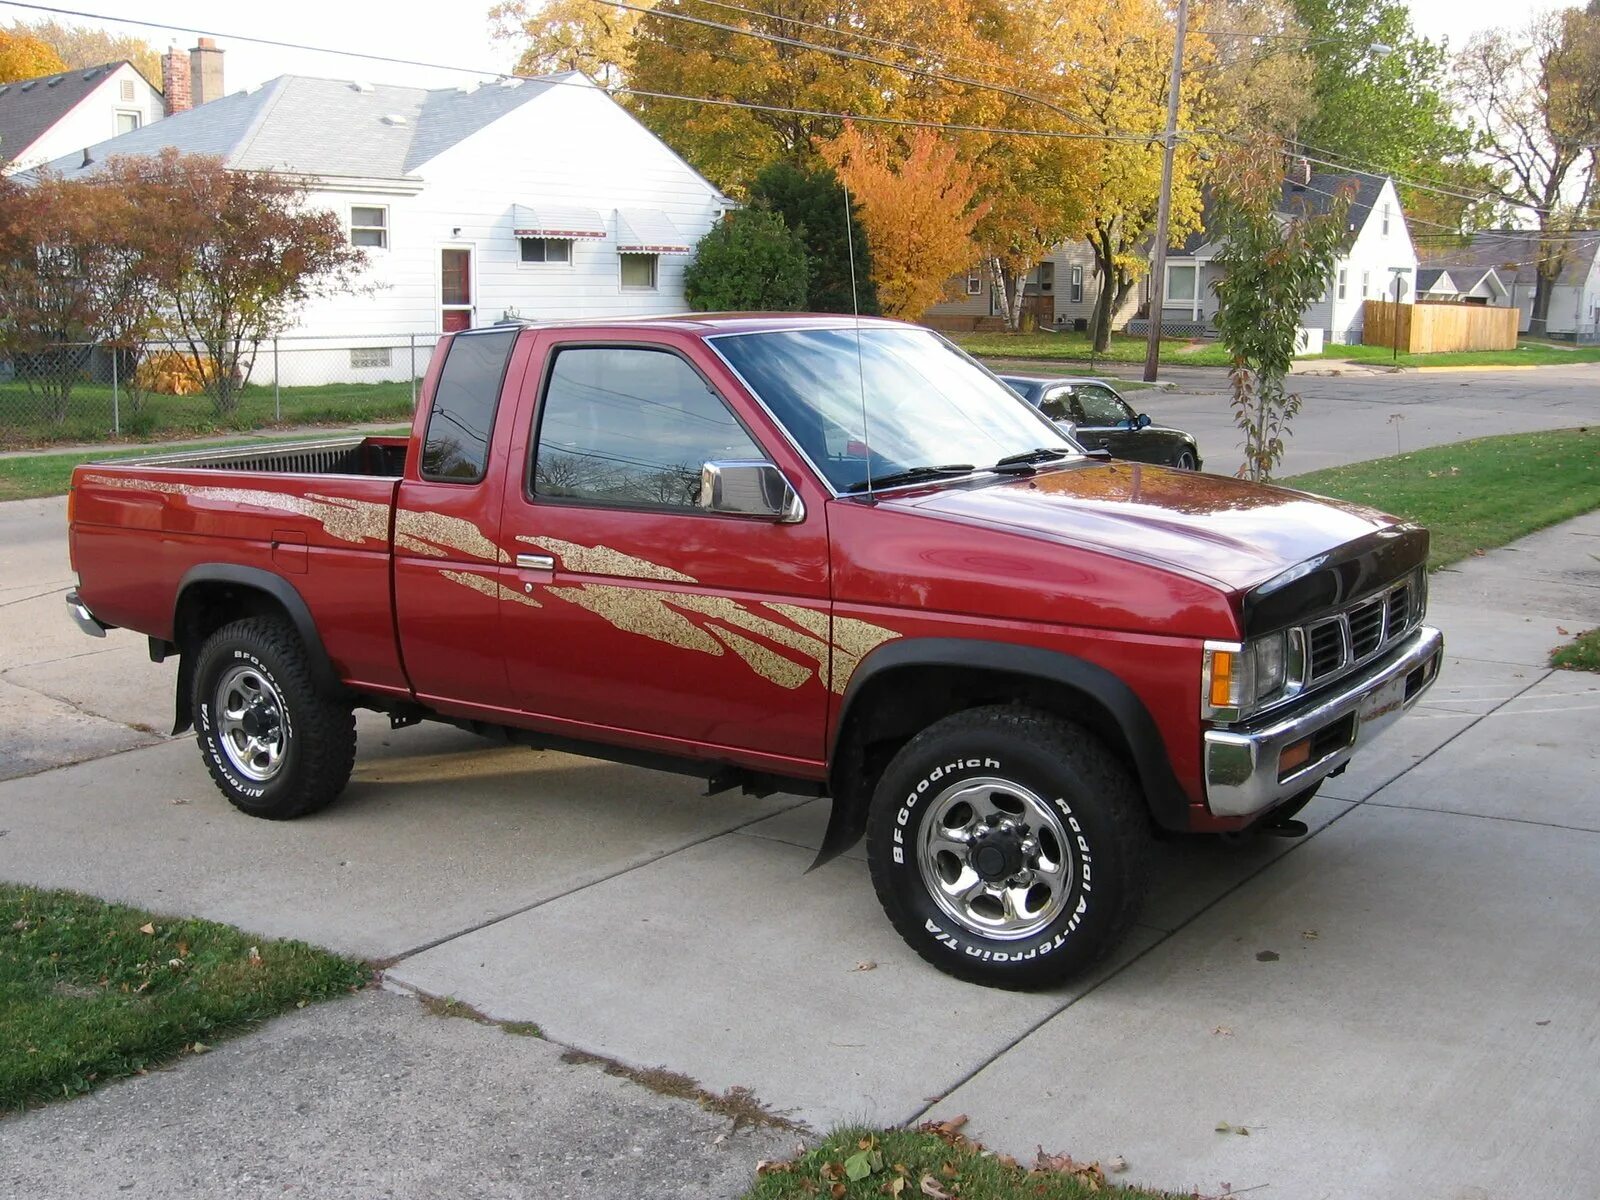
570 35
25 57
80 46
917 206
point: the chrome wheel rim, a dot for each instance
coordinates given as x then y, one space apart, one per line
250 723
993 855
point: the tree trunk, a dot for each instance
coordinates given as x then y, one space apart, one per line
1543 292
1018 286
1104 307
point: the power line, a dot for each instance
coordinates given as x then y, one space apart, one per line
1349 165
550 81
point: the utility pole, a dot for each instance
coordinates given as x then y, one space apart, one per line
1158 265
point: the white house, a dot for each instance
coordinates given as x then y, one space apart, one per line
538 198
1511 256
58 115
1378 256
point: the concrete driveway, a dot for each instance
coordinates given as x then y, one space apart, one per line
1402 1004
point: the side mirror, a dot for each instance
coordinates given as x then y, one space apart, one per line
1068 428
1141 421
750 489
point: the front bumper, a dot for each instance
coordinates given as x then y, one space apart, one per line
83 618
1242 766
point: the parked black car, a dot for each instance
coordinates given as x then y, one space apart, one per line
1095 414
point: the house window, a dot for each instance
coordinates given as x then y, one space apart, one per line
1077 285
975 282
546 250
374 356
369 227
1180 283
1044 277
1366 284
127 91
1343 278
127 122
639 272
1386 220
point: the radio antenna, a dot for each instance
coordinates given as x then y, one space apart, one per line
855 308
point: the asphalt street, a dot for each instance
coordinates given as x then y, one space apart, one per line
1402 1004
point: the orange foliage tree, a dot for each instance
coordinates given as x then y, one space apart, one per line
917 206
24 57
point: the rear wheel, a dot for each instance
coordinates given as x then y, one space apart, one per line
1185 461
276 745
1008 847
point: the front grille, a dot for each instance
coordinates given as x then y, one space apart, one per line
1366 627
1326 648
1399 608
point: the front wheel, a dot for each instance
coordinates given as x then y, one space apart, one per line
1008 847
275 744
1186 461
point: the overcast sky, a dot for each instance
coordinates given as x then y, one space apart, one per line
458 34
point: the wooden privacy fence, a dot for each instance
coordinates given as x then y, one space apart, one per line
1431 328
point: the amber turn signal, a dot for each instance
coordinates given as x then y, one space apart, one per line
1294 756
1221 678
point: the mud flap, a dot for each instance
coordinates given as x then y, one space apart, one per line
182 702
847 822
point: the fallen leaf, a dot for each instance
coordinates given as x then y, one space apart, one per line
832 1170
866 965
931 1188
837 1191
1310 935
1118 1164
255 956
1541 1022
199 1047
894 1186
1005 1160
1266 956
147 928
1562 631
1222 1031
767 1166
177 802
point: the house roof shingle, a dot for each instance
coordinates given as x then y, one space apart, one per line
327 127
1315 196
29 107
1512 252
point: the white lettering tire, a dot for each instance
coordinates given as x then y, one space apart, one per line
1008 847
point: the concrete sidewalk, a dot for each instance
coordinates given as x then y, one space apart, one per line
1403 1004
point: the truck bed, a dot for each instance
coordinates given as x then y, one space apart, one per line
380 457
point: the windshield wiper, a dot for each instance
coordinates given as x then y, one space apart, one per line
1027 458
910 476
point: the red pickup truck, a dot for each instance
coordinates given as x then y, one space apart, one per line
799 554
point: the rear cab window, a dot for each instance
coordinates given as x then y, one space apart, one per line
455 448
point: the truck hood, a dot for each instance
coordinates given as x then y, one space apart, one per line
1232 532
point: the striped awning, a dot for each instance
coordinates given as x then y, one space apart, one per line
648 231
556 221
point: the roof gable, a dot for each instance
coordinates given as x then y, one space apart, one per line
30 107
1512 254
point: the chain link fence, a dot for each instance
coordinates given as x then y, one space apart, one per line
83 392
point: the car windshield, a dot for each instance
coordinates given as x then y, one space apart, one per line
899 400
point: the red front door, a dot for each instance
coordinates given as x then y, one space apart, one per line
455 290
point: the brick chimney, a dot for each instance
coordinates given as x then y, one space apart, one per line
175 81
205 69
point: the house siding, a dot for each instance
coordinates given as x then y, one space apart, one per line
572 146
961 306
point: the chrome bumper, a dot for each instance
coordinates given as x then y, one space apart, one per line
1242 771
85 619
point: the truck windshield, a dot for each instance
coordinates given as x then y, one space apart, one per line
909 401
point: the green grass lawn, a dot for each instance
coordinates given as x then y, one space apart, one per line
1479 494
23 424
1527 354
91 991
1580 654
27 476
1075 347
934 1161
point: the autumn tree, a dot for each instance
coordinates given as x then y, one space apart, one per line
242 254
80 46
25 57
917 204
813 204
1535 97
1274 265
570 35
751 261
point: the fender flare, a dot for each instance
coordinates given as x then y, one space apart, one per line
1167 801
281 591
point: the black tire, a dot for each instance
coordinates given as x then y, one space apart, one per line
1186 461
313 734
1103 844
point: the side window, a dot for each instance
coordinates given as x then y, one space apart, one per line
1100 407
456 447
1057 405
629 426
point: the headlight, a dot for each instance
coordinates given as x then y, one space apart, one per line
1238 678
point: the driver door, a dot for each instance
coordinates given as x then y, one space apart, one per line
1105 422
629 611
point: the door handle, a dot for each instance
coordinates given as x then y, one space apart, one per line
536 562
